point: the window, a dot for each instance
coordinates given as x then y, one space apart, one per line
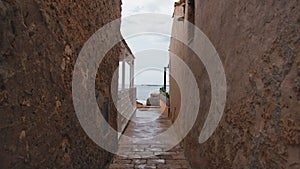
191 19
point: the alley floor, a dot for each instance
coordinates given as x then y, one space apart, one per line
140 151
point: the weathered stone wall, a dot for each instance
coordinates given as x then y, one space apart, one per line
259 45
40 41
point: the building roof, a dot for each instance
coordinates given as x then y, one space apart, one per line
128 53
179 3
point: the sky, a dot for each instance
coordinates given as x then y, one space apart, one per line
149 63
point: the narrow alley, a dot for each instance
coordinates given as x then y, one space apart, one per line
190 84
140 152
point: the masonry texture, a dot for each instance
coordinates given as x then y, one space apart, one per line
40 41
259 45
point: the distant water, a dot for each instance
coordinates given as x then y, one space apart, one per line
143 91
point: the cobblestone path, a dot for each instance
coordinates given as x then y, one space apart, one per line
140 151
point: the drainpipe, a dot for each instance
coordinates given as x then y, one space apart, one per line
123 70
165 78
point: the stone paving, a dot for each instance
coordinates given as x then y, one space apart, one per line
142 150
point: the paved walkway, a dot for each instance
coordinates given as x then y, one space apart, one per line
142 150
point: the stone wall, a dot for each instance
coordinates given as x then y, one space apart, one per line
40 41
259 45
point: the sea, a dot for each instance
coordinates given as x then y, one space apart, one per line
144 91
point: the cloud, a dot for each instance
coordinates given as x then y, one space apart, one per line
141 44
131 7
146 22
137 23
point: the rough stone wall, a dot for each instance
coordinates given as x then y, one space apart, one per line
259 45
40 41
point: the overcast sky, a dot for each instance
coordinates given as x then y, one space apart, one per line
149 62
